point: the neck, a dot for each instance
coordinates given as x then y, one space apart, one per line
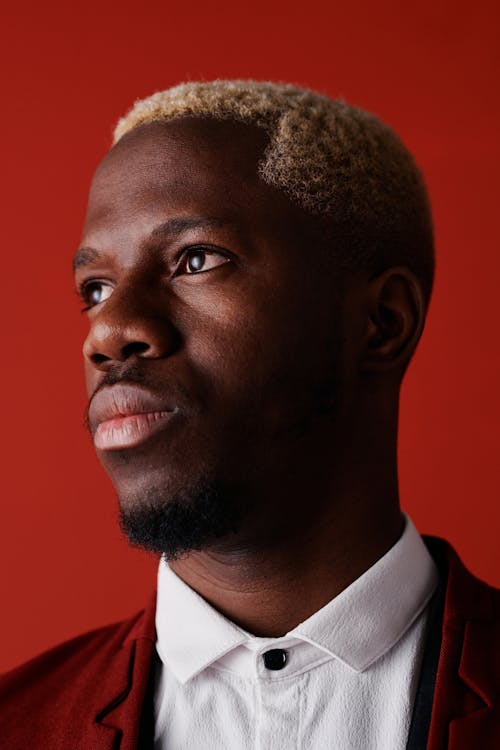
270 588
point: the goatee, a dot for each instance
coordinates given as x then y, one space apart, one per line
177 525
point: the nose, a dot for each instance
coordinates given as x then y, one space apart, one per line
127 324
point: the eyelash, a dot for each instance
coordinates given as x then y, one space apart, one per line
83 291
181 258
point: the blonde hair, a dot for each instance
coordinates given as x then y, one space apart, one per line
334 160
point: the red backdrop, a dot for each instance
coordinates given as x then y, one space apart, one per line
71 69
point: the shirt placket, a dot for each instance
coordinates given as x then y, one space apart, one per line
279 709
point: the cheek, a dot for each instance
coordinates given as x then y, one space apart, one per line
268 362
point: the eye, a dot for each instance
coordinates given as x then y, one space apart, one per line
94 292
200 259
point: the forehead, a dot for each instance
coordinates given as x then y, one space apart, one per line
183 166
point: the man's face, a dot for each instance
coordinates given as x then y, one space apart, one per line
214 359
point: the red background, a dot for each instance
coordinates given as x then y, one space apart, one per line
71 69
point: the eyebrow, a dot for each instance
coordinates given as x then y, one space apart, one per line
166 230
84 257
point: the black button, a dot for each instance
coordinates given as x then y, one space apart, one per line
275 659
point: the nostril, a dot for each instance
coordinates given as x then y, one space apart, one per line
135 347
98 359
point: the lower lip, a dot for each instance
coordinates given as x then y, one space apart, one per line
129 430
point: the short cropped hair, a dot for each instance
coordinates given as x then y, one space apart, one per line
337 162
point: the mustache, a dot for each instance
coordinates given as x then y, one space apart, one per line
132 373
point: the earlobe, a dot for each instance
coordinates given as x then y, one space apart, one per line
396 314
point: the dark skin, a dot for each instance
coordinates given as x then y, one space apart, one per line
284 374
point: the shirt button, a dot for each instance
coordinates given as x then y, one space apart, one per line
275 658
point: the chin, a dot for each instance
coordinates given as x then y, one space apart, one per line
174 523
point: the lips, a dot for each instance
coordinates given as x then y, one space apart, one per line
122 416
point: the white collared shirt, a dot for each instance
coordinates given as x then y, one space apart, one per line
349 679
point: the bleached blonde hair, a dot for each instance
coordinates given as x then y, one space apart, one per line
336 161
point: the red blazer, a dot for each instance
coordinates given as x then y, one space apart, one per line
88 693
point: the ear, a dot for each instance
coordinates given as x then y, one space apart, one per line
395 320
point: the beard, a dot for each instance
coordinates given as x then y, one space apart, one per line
175 526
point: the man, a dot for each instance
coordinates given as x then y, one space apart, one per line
256 266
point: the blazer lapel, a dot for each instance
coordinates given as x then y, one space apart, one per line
463 713
478 723
119 706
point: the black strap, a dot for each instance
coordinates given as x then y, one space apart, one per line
147 725
422 708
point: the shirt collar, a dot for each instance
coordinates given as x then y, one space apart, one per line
357 627
371 615
191 634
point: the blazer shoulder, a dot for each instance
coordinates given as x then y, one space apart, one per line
70 662
467 596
